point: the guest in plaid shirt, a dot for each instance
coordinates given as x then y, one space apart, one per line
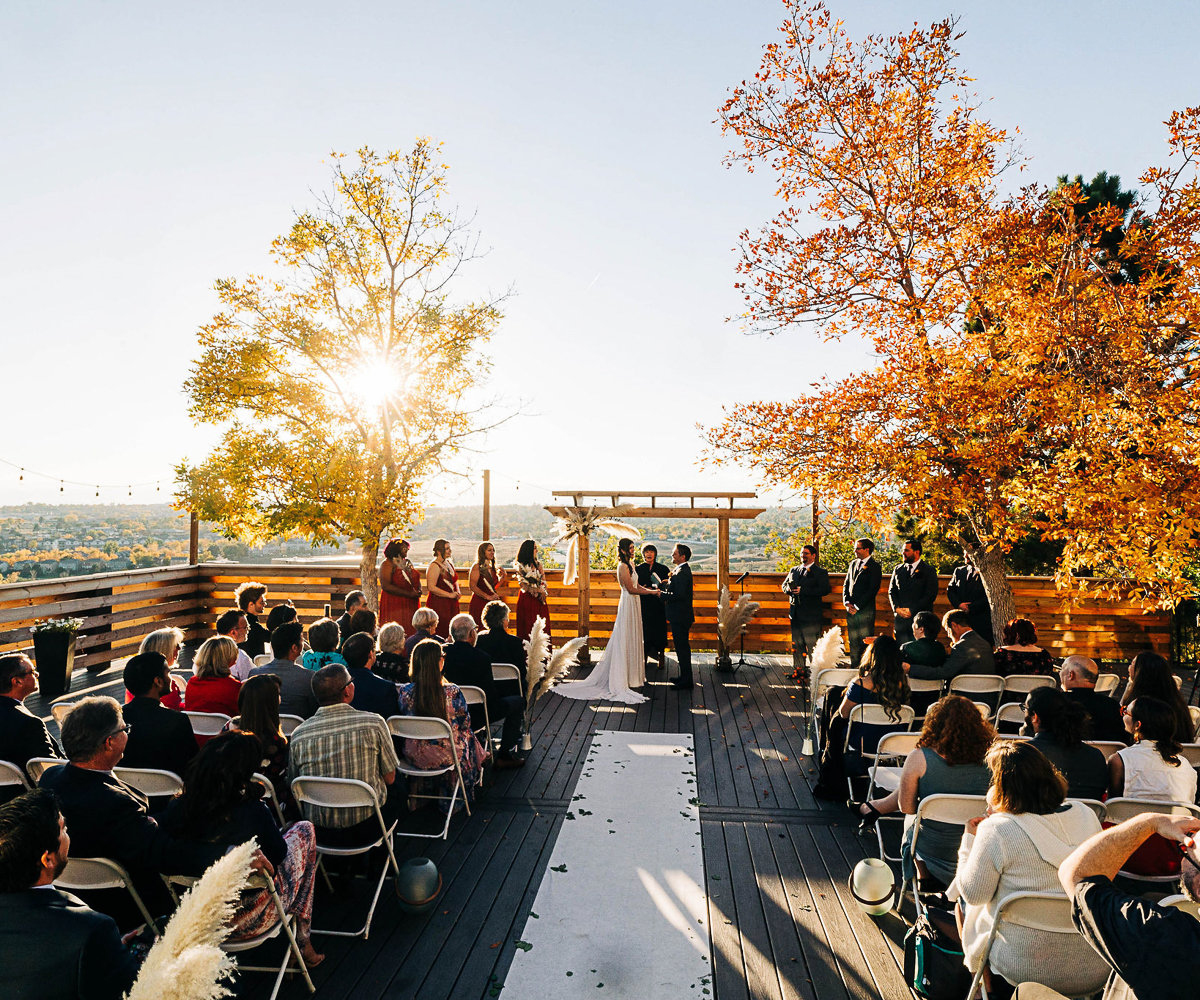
342 742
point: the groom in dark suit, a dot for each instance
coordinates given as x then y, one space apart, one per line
678 594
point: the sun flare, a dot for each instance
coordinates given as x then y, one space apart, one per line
373 384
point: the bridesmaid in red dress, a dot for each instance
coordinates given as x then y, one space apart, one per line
399 586
531 605
484 579
442 578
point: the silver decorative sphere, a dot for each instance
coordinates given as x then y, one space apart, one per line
418 885
873 886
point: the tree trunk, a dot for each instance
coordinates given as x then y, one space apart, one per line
370 573
995 584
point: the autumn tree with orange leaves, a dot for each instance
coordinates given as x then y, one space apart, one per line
1037 354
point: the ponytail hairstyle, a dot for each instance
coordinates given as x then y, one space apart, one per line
625 551
1155 720
439 548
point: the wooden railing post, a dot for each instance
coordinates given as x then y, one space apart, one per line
194 540
585 594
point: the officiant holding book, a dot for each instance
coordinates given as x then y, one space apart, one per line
652 573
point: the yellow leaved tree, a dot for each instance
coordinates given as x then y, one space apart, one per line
349 377
1035 349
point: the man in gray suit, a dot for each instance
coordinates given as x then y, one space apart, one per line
969 654
296 692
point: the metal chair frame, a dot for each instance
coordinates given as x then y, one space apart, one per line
1108 683
336 793
103 873
35 767
892 746
422 727
12 776
1119 809
150 781
874 715
949 808
288 723
973 684
208 723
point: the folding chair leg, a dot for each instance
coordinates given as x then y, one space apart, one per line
365 929
324 873
293 949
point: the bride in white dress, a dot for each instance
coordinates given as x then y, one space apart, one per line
623 664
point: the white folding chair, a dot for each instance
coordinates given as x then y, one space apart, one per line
288 723
181 679
477 696
1046 912
984 709
1120 809
1194 712
953 810
1019 685
102 873
1095 805
508 672
874 715
1107 683
59 711
331 794
1106 747
1189 750
284 923
991 686
35 767
828 678
149 781
893 747
263 659
918 686
1178 681
12 776
1010 712
423 727
1182 902
269 797
207 723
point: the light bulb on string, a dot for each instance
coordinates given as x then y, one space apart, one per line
22 475
60 486
97 489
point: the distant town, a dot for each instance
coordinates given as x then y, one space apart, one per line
45 541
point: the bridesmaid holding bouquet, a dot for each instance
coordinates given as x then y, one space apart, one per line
531 605
484 580
442 578
399 586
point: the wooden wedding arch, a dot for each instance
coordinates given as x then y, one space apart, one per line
648 505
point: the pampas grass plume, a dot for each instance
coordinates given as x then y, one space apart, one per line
537 651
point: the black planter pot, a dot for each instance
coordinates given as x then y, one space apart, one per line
54 656
724 663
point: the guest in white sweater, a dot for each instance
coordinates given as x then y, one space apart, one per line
1028 832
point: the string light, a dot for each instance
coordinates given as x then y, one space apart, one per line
62 480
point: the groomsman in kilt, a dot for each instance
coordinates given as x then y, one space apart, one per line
805 586
864 577
913 589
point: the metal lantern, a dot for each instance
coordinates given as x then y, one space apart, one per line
873 886
418 885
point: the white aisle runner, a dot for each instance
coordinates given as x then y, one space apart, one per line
621 911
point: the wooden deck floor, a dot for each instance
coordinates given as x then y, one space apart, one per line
776 862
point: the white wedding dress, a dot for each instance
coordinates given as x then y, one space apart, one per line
623 664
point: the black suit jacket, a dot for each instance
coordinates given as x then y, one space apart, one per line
678 591
296 695
467 664
258 639
972 654
915 591
108 819
813 584
373 694
23 734
966 587
158 737
503 647
1105 713
862 584
56 948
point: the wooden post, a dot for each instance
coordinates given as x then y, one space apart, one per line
722 553
194 540
585 594
816 532
487 505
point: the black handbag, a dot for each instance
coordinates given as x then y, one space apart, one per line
933 959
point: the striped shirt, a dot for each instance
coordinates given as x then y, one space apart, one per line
342 742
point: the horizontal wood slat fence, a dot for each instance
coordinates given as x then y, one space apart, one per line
119 608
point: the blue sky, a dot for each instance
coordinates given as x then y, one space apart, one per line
151 148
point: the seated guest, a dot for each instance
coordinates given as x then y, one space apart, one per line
22 734
429 695
296 683
169 642
55 947
501 645
281 614
107 818
881 681
924 649
1020 653
1078 676
223 806
258 714
425 623
1028 832
355 601
1150 675
158 737
970 653
467 665
342 742
251 598
323 638
214 689
390 661
948 759
234 625
1057 725
1153 951
361 621
371 693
